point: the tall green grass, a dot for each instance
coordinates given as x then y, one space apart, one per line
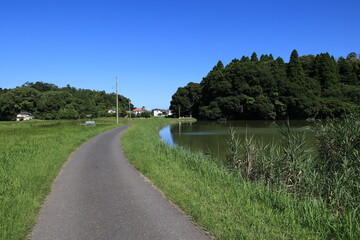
225 203
31 155
328 171
337 167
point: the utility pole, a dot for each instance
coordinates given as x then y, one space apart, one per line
179 111
117 102
129 110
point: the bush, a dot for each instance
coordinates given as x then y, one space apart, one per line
68 113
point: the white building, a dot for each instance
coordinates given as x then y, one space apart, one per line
168 112
158 113
161 112
24 116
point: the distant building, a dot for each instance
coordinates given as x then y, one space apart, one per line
137 111
161 112
158 112
168 112
24 116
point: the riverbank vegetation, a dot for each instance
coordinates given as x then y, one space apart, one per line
48 101
328 171
243 203
31 155
250 88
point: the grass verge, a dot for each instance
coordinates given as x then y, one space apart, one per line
31 155
222 203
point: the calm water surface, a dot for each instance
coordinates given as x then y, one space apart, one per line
211 137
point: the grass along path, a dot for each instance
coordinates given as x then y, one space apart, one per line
31 155
220 202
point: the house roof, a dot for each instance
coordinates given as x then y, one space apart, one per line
138 109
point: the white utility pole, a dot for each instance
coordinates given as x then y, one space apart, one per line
117 102
129 109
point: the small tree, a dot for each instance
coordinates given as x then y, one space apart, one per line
145 114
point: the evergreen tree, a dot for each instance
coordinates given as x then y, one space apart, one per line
294 70
214 84
264 58
346 71
254 57
326 71
244 59
351 56
307 63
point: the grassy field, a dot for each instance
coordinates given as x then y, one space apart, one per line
31 155
222 203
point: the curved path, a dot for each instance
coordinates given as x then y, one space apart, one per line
99 195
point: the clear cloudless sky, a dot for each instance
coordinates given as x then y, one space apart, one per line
156 46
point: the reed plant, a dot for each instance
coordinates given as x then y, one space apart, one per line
31 155
337 166
328 172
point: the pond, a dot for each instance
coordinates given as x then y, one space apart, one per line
211 137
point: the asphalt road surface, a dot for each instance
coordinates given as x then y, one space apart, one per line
99 195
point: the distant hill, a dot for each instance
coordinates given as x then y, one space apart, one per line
48 101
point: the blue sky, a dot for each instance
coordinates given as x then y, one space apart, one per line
154 46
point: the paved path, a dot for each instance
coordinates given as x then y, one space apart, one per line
98 195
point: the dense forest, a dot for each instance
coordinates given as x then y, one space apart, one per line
250 88
48 101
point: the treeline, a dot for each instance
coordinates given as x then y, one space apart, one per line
250 88
48 101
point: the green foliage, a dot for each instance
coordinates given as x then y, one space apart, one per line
348 70
333 107
326 71
14 101
295 71
186 100
41 86
338 163
47 101
271 89
211 112
282 165
254 57
242 155
233 158
68 112
145 114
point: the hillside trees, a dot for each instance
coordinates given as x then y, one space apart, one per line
250 88
16 100
48 101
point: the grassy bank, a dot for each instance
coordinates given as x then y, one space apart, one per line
222 203
31 155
